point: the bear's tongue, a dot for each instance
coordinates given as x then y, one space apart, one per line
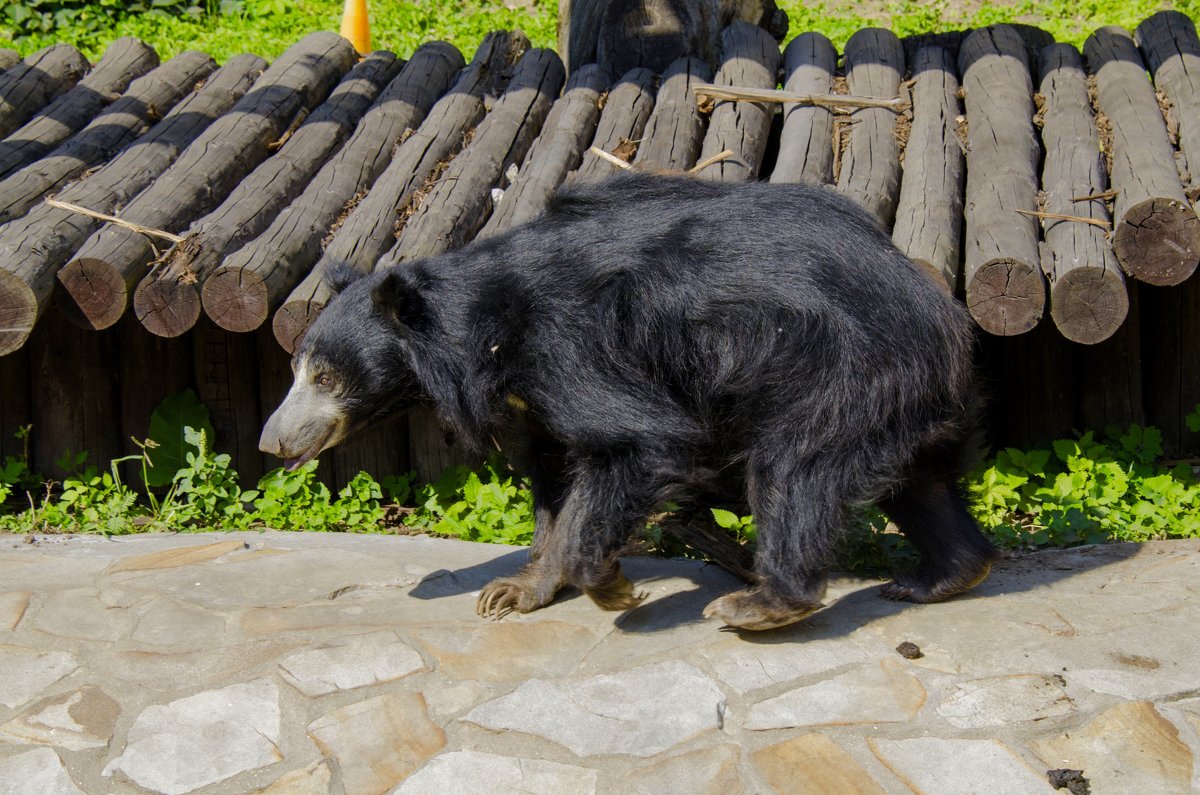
292 464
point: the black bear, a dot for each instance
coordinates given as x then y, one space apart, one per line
648 334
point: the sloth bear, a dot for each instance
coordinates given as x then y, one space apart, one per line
649 335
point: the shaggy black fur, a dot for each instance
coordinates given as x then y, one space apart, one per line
660 330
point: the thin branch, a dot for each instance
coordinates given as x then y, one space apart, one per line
616 161
708 161
835 102
112 219
1061 217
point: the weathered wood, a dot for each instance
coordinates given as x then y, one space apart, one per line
806 143
226 372
627 108
459 203
148 99
870 167
26 87
1171 362
32 248
250 281
1088 300
1031 386
103 272
16 404
1171 47
167 301
1005 290
928 226
8 58
370 229
1156 235
125 60
1108 376
674 133
750 58
432 449
150 369
558 149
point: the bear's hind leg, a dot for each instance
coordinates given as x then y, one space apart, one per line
955 555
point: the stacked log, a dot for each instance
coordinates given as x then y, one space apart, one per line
167 301
627 108
1088 300
675 130
100 276
928 226
26 87
1168 41
148 99
369 230
33 247
870 168
252 280
1156 235
806 143
8 58
1005 289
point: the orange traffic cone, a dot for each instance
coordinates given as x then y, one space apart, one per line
355 25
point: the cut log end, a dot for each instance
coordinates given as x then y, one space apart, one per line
1158 241
935 273
1089 304
94 294
1006 297
166 307
291 321
236 299
18 312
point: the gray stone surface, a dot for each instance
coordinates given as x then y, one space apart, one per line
225 664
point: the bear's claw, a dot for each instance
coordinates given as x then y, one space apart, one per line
756 609
500 597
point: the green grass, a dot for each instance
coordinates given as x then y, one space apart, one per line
268 27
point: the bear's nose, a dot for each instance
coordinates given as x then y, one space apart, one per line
270 442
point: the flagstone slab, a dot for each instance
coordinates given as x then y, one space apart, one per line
939 766
27 672
507 650
167 624
12 609
311 780
709 771
75 721
174 558
349 663
881 692
750 666
477 773
79 614
1002 700
813 765
37 772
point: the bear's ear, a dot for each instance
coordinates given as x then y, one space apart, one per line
339 276
396 298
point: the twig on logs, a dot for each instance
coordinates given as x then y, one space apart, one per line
605 156
709 161
838 103
1105 195
1061 217
112 219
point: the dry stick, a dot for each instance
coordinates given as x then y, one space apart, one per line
749 58
240 294
558 149
1169 42
28 86
711 161
835 102
627 108
147 100
459 203
1157 234
114 220
675 130
870 168
123 61
167 301
369 230
1102 195
806 143
928 225
1005 290
104 270
616 161
1088 300
33 247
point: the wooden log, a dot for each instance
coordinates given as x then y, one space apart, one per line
750 58
458 204
627 108
1172 50
1005 290
104 270
125 60
1156 234
226 373
870 167
148 99
1088 300
806 143
27 87
8 58
928 226
167 301
240 294
556 151
32 248
369 230
674 133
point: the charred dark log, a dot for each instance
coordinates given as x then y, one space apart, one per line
626 111
26 87
806 143
1168 41
675 131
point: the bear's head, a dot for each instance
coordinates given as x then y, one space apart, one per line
351 369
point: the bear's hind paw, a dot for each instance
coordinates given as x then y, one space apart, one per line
756 609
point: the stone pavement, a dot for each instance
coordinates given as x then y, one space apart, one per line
281 663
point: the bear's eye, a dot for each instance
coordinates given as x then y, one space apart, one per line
323 380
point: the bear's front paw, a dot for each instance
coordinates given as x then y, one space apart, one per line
757 609
926 590
502 596
615 594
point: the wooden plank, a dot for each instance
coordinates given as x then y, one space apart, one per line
254 279
32 248
151 369
928 226
1005 289
675 131
28 86
16 403
806 143
1156 236
226 373
1088 300
103 272
627 108
1108 376
1171 362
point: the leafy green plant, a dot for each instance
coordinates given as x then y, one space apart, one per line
742 527
493 508
167 428
89 19
206 488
